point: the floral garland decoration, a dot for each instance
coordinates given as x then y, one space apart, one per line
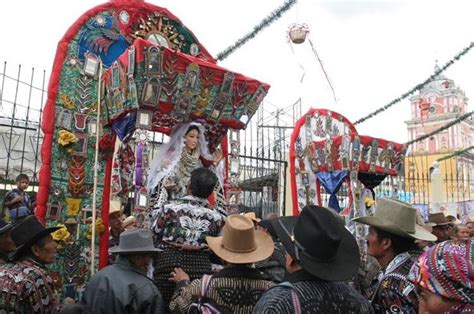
66 138
440 129
456 153
61 234
275 15
419 86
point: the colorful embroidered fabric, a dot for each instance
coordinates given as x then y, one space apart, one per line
66 176
188 221
27 287
446 270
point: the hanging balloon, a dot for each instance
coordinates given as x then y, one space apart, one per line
297 33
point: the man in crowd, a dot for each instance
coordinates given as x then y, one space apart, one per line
321 253
116 228
124 287
392 234
7 246
441 228
25 284
18 201
237 287
181 228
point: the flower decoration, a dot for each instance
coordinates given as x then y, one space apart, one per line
369 202
61 234
73 206
99 226
66 138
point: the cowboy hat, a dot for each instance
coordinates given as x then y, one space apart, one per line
318 240
130 220
396 217
115 207
4 226
27 232
453 220
439 219
135 241
241 243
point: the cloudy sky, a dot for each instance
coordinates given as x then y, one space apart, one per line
372 50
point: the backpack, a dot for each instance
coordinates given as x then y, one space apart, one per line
203 304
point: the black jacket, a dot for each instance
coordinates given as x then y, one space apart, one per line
120 288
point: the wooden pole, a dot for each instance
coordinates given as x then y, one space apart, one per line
96 167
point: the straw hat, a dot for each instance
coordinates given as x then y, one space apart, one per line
135 241
396 217
453 220
439 219
130 220
115 207
241 243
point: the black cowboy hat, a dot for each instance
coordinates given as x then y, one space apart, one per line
4 226
27 232
318 240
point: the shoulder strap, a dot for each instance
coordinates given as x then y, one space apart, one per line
294 295
205 281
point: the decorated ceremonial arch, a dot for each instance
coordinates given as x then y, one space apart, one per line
122 70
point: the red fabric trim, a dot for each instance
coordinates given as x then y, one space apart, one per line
225 153
318 188
104 238
294 136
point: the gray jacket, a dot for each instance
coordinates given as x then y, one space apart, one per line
120 288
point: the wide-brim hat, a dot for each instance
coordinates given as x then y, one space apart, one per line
135 241
241 243
439 219
27 232
396 217
115 207
453 220
5 226
130 220
318 240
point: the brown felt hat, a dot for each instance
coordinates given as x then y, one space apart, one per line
439 219
241 243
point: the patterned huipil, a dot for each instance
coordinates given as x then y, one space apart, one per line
26 287
235 289
313 295
393 292
186 221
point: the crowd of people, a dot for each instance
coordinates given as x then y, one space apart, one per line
198 260
194 257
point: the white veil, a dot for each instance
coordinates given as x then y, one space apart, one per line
168 157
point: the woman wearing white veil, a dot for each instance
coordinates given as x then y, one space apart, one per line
171 169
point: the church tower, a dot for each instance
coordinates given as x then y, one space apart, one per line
437 104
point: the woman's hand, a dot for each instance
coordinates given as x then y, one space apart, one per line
217 156
178 275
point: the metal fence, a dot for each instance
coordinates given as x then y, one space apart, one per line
264 148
